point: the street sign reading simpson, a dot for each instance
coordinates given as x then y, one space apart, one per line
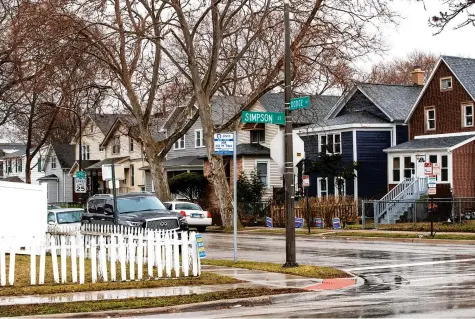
300 103
223 143
263 117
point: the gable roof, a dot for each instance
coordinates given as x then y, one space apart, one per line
104 121
395 101
462 68
65 153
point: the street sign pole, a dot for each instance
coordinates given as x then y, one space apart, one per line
114 194
235 194
290 258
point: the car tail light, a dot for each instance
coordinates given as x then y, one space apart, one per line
208 214
182 213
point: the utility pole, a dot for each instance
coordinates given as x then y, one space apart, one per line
289 187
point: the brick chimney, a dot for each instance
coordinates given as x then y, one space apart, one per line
417 76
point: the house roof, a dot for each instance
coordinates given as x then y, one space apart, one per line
65 153
464 70
320 105
433 143
13 179
48 177
184 161
14 154
348 118
110 160
104 121
84 163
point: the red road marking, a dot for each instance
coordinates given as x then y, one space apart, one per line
330 284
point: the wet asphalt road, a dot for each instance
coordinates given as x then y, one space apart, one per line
401 279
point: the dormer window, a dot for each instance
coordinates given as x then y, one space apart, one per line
116 145
258 136
446 83
430 118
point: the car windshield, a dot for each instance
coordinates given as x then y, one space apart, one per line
187 206
69 217
138 204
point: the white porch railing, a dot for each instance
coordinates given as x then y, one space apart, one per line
108 249
393 205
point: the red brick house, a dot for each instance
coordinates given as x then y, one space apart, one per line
441 130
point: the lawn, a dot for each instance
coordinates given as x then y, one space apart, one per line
302 270
22 280
135 303
403 235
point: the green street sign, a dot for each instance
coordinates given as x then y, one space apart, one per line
263 117
300 103
80 174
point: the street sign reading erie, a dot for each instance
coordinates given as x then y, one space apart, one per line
300 103
263 117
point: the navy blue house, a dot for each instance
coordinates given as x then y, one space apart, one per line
360 125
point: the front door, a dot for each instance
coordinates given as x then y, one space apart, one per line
420 161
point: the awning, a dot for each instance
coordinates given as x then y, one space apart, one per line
425 143
115 160
48 178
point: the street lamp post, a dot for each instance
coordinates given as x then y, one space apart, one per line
290 258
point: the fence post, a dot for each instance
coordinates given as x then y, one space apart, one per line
62 241
131 257
121 244
113 256
54 260
140 258
74 268
33 261
194 254
158 253
11 272
168 254
81 244
103 258
3 275
176 254
184 254
41 279
150 254
93 260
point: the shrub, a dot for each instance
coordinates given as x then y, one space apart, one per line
192 186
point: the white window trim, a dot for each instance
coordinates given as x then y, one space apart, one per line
464 114
85 150
201 139
53 161
268 170
178 142
426 118
333 138
413 159
335 185
451 83
319 188
131 144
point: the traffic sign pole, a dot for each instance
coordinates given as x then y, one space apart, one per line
114 194
290 258
235 195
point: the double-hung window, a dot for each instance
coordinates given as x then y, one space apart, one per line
396 169
322 183
340 186
179 144
131 144
53 162
85 152
199 138
467 115
430 118
132 175
258 136
407 167
330 144
20 165
262 170
444 168
116 145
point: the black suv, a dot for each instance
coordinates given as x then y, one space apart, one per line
134 210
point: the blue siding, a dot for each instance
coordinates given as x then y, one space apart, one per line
347 158
372 175
310 146
402 134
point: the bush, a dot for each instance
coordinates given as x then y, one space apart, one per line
249 195
192 186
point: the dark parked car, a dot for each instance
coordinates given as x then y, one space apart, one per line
134 210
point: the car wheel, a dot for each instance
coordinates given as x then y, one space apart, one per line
201 229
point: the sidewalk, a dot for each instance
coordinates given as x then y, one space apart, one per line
254 278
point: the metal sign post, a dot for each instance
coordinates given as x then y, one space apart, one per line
225 144
114 194
306 185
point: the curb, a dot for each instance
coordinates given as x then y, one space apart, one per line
209 305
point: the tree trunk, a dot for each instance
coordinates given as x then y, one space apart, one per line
159 177
28 168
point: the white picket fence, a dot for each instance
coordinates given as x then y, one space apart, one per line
131 248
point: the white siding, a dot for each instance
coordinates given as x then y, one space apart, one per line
63 192
275 178
244 136
93 139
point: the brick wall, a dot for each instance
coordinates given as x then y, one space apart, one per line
464 171
448 108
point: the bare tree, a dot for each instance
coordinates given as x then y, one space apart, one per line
456 11
398 71
237 47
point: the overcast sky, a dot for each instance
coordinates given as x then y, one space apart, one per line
414 33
